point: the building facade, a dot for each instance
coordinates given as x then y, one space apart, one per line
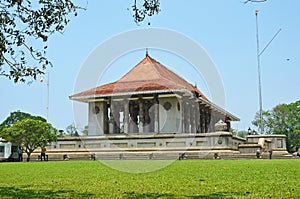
150 98
153 113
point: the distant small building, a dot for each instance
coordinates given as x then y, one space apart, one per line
5 149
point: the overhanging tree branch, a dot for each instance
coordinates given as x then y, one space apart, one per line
24 21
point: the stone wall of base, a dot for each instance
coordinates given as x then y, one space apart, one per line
217 145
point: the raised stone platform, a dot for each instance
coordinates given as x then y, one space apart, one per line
216 145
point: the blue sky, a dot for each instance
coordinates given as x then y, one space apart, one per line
224 29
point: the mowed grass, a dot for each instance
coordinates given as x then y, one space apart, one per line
181 179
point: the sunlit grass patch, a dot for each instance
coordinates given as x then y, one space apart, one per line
180 179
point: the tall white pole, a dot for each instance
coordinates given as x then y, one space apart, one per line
261 126
47 105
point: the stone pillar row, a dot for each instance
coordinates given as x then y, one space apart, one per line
136 119
190 116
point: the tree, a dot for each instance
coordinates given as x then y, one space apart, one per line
283 119
30 134
85 131
23 21
72 131
18 116
266 117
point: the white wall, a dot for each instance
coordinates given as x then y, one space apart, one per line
96 120
169 120
6 150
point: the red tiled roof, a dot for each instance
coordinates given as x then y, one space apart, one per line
148 75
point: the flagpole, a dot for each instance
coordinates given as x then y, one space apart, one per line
259 53
261 127
47 104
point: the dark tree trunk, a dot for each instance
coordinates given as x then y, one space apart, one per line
28 157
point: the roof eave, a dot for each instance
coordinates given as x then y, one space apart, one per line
87 98
223 111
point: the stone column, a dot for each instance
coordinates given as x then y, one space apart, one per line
105 118
111 118
212 121
201 119
133 117
204 120
126 116
146 117
99 106
156 114
116 113
192 117
182 108
141 116
197 118
207 121
205 115
188 118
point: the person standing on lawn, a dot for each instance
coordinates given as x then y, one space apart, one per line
20 154
43 153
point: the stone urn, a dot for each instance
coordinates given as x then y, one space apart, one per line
221 126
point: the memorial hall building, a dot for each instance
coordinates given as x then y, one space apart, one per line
150 98
153 113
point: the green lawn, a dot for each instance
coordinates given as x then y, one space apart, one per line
182 179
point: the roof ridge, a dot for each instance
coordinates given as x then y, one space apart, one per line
174 73
148 71
155 65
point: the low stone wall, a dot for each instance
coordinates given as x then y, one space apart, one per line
220 140
217 145
276 142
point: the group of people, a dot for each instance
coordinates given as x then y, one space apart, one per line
20 155
11 157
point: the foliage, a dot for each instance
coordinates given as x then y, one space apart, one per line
242 134
18 116
149 8
24 23
30 134
25 26
183 179
71 130
266 115
61 133
283 119
85 131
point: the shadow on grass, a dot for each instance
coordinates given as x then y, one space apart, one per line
14 192
170 196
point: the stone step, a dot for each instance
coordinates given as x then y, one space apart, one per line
155 155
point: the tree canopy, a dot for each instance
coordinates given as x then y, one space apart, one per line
25 21
149 8
25 26
72 131
17 116
283 119
29 134
27 131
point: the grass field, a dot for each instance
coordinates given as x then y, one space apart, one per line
182 179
